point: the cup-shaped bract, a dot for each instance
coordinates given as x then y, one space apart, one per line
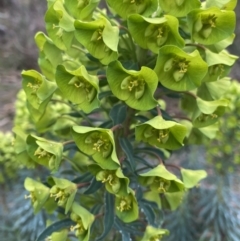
191 178
60 236
161 133
45 152
79 87
126 207
114 180
98 143
223 4
81 9
100 38
39 193
60 25
38 90
20 148
83 219
214 90
153 33
160 180
179 8
136 88
63 192
126 7
154 234
208 112
211 25
178 70
49 55
219 65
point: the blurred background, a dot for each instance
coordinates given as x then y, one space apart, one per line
208 213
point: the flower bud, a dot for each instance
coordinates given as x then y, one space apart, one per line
177 75
198 24
205 32
139 92
179 2
95 36
150 29
168 65
125 83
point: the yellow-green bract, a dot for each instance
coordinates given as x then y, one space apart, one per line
161 133
178 70
79 87
153 33
136 88
98 143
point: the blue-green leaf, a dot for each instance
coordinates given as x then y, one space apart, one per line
94 186
108 215
127 148
118 113
65 223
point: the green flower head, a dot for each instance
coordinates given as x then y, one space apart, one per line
60 25
126 207
38 91
208 112
161 133
45 152
20 148
211 25
100 38
160 180
63 192
81 9
39 193
83 219
98 143
178 70
154 234
114 180
219 65
179 8
126 7
153 33
136 88
79 87
48 60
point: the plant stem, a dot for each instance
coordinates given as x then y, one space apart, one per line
68 142
116 127
174 166
83 184
181 117
197 45
99 215
159 110
80 49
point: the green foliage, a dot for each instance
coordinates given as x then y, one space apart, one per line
95 120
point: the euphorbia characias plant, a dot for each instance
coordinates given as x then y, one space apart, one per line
114 67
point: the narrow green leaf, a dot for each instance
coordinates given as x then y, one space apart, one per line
108 215
125 234
94 186
149 213
118 113
86 177
127 148
65 223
